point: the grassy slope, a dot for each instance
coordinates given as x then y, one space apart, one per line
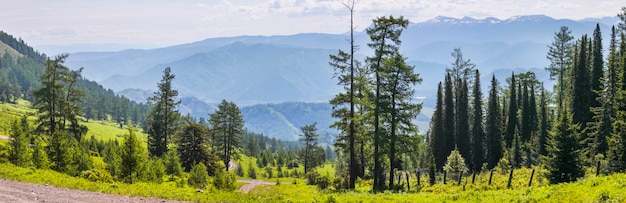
6 48
588 190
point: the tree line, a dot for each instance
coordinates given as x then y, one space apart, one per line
520 124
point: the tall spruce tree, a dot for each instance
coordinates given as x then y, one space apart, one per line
462 132
437 132
385 38
493 127
161 121
132 156
564 163
448 122
581 90
511 122
543 124
478 132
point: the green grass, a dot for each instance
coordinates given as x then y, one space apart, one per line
106 130
166 190
11 112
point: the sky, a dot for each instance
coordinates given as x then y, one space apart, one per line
155 23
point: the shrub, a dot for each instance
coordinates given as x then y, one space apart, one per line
251 171
503 165
224 181
455 163
311 177
239 171
97 175
198 176
322 182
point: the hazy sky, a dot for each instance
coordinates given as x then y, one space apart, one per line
168 22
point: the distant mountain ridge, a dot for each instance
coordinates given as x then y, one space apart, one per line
264 72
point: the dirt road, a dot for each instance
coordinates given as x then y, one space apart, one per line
4 137
11 191
252 184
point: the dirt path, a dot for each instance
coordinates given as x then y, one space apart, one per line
11 191
4 137
252 184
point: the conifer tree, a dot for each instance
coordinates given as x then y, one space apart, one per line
560 59
309 137
161 121
564 163
493 127
20 153
227 127
132 156
448 121
478 132
581 90
385 38
543 124
437 132
462 132
605 114
511 122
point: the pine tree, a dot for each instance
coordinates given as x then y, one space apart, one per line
437 132
20 153
493 127
478 132
511 122
462 132
132 156
398 82
309 137
192 147
163 115
448 122
227 127
543 124
564 163
581 90
606 113
597 69
40 158
560 59
385 38
172 164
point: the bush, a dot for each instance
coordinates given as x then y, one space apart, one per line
503 165
239 171
97 175
322 182
251 171
224 181
198 176
311 177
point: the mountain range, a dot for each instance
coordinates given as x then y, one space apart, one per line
261 73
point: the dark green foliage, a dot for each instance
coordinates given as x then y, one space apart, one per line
448 123
493 127
112 157
516 160
172 164
398 83
309 137
161 121
581 89
597 68
385 39
477 132
132 156
544 125
437 129
432 169
251 171
198 176
192 146
239 171
20 153
462 132
511 122
40 157
227 131
61 151
564 163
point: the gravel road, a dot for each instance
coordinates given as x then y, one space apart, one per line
11 191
